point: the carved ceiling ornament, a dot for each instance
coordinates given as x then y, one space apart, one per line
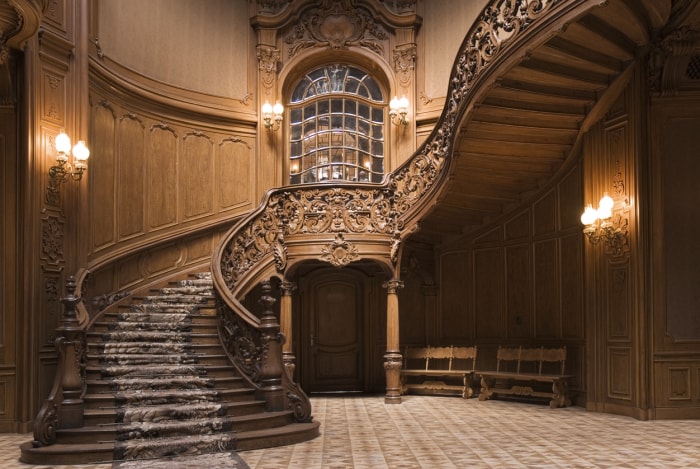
337 25
340 252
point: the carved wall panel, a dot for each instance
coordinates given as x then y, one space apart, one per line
680 167
454 321
489 304
235 169
546 289
619 317
103 167
620 373
197 176
545 215
572 311
131 174
518 291
161 175
412 310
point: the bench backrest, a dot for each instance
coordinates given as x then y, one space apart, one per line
440 358
415 358
464 358
534 359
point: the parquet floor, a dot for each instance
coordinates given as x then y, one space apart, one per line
448 432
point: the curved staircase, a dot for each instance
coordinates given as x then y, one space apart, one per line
159 385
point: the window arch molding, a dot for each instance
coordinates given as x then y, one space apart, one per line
351 167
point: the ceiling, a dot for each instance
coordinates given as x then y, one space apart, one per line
529 123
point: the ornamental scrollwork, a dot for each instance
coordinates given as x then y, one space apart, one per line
340 252
338 25
243 343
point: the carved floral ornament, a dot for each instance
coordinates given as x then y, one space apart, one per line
383 210
338 25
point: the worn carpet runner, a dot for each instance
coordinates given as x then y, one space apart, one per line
169 412
228 460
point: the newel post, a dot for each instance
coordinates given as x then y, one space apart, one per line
288 357
271 367
392 357
71 350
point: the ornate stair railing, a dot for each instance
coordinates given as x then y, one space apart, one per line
340 223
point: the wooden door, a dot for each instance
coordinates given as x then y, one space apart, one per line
333 331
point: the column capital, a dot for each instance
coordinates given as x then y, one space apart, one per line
288 288
393 285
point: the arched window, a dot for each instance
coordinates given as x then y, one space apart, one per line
336 126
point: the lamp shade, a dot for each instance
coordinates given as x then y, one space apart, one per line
62 143
589 216
80 151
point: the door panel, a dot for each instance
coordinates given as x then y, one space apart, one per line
334 331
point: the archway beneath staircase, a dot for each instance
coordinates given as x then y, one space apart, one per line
339 327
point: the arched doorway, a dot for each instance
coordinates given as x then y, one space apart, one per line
340 328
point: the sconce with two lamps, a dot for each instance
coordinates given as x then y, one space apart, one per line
600 226
63 169
272 115
398 108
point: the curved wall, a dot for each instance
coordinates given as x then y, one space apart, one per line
194 45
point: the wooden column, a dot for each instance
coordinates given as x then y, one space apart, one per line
392 357
288 358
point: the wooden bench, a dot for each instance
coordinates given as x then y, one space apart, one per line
439 367
525 372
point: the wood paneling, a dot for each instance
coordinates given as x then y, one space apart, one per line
161 173
518 291
131 173
489 298
197 176
102 169
454 318
546 290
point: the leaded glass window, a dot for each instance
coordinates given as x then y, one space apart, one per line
336 127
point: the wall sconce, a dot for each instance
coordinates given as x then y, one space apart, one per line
398 108
599 225
272 115
64 170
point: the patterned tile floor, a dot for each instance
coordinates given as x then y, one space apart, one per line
448 432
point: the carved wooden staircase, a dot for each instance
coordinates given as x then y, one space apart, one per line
159 383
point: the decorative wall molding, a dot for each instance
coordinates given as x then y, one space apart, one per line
52 235
405 62
340 252
337 25
671 62
268 58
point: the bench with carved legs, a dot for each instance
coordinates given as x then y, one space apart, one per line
434 370
525 372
